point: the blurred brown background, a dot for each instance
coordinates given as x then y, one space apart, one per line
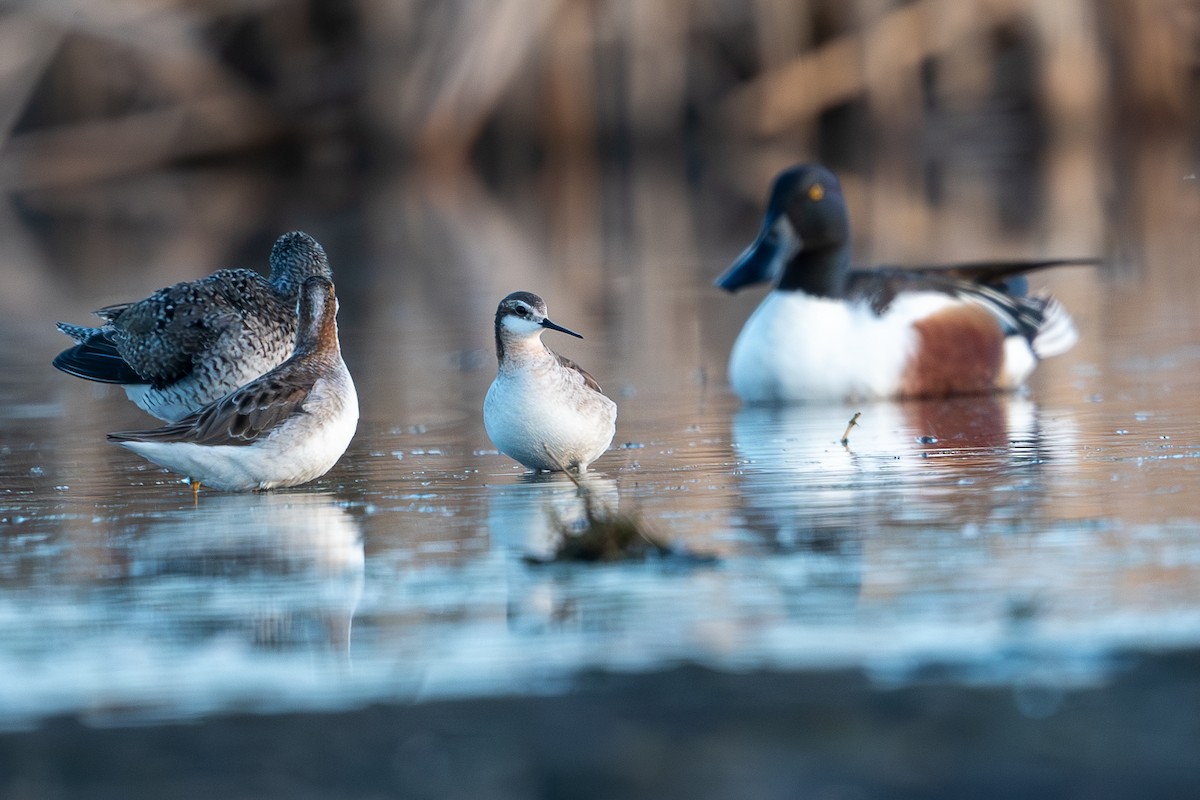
97 90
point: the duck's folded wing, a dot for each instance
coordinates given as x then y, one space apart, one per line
1005 275
1018 313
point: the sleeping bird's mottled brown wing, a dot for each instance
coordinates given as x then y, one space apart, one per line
163 336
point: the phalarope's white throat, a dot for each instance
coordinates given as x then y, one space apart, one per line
543 410
189 344
284 428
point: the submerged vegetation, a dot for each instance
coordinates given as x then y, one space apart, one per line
604 535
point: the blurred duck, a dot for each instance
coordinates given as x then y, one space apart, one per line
543 410
187 345
284 428
828 331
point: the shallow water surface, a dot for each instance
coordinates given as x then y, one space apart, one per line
1025 538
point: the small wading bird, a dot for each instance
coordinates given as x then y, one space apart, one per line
542 409
187 345
284 428
828 331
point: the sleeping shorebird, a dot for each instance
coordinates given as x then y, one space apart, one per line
283 428
543 410
828 331
189 344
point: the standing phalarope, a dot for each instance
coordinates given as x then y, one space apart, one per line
189 344
542 409
827 331
284 428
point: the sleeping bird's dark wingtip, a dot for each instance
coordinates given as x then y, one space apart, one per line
99 364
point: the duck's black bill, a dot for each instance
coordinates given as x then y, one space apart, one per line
761 262
556 327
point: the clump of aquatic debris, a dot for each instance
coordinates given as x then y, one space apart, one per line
604 535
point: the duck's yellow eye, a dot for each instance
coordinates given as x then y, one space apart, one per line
816 192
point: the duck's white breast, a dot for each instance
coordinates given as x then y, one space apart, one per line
796 347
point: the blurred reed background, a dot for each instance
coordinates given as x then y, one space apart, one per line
96 90
92 90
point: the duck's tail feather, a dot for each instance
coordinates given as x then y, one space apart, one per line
1057 333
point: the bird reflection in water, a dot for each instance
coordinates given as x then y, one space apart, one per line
527 519
286 569
530 516
931 463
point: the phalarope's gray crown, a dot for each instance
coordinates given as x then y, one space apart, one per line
189 344
284 428
543 410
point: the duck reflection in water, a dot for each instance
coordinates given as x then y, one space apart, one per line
286 570
949 463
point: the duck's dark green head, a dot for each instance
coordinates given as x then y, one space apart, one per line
804 242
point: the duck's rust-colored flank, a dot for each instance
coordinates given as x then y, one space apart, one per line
960 350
